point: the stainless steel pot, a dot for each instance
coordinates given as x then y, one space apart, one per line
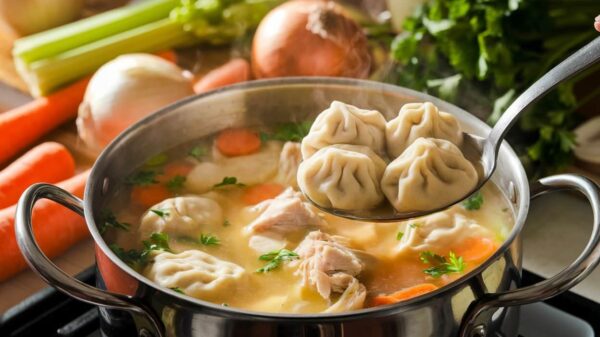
482 303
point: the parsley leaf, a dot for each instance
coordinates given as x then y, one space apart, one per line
442 265
138 259
474 202
276 258
109 220
209 240
142 178
229 181
415 225
160 213
399 236
176 183
157 241
132 257
198 152
226 223
177 289
292 132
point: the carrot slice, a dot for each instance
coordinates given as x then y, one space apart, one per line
238 142
48 162
172 170
149 195
56 228
234 71
257 193
404 294
475 249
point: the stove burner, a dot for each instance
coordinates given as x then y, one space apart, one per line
51 311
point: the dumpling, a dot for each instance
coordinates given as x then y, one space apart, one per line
196 273
250 170
346 124
289 160
181 216
438 233
343 177
416 120
431 173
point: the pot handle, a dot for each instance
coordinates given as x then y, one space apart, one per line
564 280
59 279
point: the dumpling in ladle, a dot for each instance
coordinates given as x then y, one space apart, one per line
430 173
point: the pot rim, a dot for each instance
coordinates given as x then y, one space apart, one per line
519 218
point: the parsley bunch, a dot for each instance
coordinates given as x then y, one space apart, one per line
276 258
442 265
481 54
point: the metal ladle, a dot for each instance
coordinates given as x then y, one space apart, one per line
482 152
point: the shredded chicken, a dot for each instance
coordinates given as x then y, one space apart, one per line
284 214
326 264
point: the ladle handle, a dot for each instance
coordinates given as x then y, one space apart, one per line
580 60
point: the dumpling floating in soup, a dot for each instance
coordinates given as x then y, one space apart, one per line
417 120
336 175
431 173
343 123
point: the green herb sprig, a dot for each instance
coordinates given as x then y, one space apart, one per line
474 202
109 220
176 183
288 132
229 181
209 240
142 178
276 258
442 265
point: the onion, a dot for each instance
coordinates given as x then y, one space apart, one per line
125 90
26 17
309 38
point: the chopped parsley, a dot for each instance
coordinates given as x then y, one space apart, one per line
285 132
414 225
157 241
442 265
229 181
225 304
176 183
399 236
197 152
177 289
157 160
142 178
132 257
276 258
474 202
109 220
226 223
160 213
209 240
138 259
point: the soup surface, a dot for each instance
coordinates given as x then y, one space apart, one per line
226 223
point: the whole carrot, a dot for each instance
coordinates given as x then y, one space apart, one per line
56 228
48 162
22 126
234 71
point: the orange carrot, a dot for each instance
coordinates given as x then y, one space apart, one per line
404 294
22 126
56 228
48 162
168 55
172 170
234 71
149 195
257 193
475 249
238 142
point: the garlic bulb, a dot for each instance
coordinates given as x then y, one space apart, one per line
125 90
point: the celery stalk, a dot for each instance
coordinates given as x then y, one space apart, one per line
46 75
61 39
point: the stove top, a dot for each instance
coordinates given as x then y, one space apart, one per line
53 314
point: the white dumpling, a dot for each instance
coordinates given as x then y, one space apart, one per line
289 160
416 120
181 216
343 177
196 273
431 173
346 124
250 170
438 233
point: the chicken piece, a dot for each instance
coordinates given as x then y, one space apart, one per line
284 214
326 264
289 160
353 298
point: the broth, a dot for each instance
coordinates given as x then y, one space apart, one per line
394 256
